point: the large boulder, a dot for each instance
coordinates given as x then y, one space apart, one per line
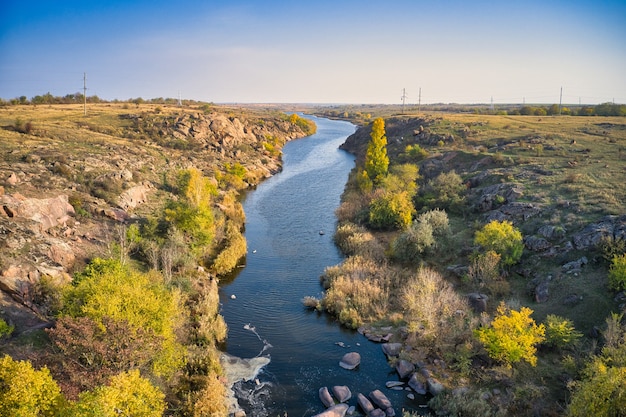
608 227
365 404
434 387
133 197
404 368
46 213
338 410
350 360
380 399
342 393
325 397
478 302
391 349
416 384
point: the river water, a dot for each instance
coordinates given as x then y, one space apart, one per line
289 230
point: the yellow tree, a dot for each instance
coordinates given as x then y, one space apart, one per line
512 337
502 238
376 159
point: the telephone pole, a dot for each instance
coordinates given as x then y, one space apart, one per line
419 100
403 99
85 93
560 100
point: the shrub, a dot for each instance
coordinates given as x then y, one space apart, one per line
617 273
512 336
502 238
391 211
27 392
415 152
560 332
5 329
126 394
353 239
484 271
236 248
444 191
432 307
410 245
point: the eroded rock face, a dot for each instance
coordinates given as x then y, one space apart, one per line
46 213
134 196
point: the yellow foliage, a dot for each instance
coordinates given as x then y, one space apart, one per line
512 336
27 392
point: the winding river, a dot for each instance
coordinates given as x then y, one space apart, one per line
289 230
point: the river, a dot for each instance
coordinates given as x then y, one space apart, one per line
290 223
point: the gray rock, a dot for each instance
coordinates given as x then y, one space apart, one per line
365 404
478 302
575 265
537 244
390 412
572 299
404 368
325 397
351 410
391 349
434 387
377 412
350 360
380 399
608 227
416 384
392 384
342 393
338 410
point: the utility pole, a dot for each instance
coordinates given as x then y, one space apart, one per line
419 100
491 107
180 102
85 93
560 100
403 99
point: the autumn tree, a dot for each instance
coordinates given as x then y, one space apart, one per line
512 336
503 238
127 394
27 392
108 289
376 159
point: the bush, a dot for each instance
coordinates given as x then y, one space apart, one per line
512 336
353 239
502 238
5 329
391 211
617 273
444 191
27 392
410 245
560 332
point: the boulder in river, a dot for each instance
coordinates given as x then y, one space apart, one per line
338 410
350 360
391 349
342 393
365 404
404 368
380 399
416 384
325 397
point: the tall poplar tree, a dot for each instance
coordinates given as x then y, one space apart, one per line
376 159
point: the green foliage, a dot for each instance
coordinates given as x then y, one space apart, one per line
415 153
364 182
127 394
560 332
193 214
602 389
5 329
391 211
401 178
423 235
502 238
376 159
106 288
512 337
445 191
27 392
617 273
234 250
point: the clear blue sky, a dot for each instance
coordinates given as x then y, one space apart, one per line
322 51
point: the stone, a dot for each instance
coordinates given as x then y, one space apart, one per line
380 399
434 387
350 360
46 213
133 197
325 397
338 410
377 412
62 254
364 403
351 410
416 384
404 368
536 244
575 265
392 384
12 179
478 302
342 393
391 349
572 299
390 412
